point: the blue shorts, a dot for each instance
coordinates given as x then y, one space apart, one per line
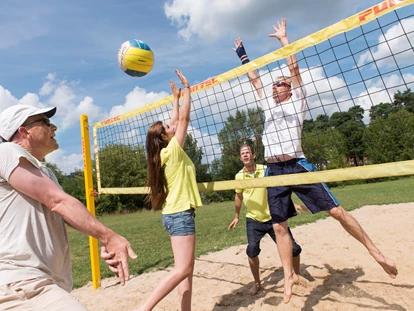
317 197
179 224
256 230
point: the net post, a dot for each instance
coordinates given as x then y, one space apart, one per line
90 199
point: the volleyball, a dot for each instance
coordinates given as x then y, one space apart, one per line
135 58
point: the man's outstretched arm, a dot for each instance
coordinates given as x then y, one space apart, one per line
280 34
253 74
34 183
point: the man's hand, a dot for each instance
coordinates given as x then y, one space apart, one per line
121 249
280 30
109 259
240 51
238 43
233 224
300 208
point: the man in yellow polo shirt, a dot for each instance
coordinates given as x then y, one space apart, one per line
258 219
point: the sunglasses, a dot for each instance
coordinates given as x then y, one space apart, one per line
46 121
281 83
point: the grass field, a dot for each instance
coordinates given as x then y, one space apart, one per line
152 244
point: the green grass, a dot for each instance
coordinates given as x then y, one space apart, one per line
152 244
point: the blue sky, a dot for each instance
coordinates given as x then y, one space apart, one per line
64 53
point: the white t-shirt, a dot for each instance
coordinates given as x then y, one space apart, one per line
282 133
33 240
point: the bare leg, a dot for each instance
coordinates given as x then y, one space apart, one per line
284 246
185 289
296 264
183 248
351 225
254 267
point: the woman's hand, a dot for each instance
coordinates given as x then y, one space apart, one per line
176 92
182 79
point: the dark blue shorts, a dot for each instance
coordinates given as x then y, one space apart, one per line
180 224
256 230
317 197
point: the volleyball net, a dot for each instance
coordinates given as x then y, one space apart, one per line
359 77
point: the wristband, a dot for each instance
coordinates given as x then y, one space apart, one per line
241 53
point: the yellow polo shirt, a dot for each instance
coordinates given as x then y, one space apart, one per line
255 199
180 174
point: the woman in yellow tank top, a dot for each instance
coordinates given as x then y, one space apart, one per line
173 188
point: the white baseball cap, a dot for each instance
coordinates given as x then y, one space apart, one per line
13 117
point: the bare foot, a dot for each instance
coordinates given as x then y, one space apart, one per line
302 281
255 289
292 280
387 264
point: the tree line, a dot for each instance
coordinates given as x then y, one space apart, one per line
330 142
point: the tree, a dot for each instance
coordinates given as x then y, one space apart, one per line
74 184
350 124
196 155
246 127
404 100
382 110
57 171
322 122
356 113
121 166
326 148
391 139
308 125
338 118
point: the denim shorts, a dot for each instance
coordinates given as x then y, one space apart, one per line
179 224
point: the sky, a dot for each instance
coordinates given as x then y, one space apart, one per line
64 53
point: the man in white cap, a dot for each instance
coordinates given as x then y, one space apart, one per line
35 265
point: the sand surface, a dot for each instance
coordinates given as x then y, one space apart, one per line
343 275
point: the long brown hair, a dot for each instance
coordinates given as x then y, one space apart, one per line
155 173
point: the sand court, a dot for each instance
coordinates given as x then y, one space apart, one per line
342 275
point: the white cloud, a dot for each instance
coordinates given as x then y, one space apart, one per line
66 163
30 99
135 99
85 106
395 46
62 94
214 19
46 88
6 98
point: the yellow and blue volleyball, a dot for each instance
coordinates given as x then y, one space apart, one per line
135 58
